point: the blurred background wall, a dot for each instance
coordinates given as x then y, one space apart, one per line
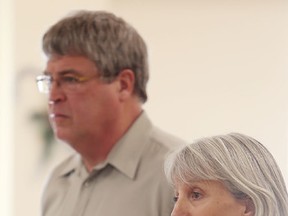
216 66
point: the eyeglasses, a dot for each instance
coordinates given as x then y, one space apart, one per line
68 83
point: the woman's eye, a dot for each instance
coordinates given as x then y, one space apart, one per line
175 198
196 195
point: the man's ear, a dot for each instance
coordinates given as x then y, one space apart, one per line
126 79
249 207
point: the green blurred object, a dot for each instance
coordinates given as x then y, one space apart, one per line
41 117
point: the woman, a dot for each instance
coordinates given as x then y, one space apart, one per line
229 175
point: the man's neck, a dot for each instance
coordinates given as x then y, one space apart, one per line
97 151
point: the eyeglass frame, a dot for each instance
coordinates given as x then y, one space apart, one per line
45 81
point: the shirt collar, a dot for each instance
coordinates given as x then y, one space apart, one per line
71 166
126 154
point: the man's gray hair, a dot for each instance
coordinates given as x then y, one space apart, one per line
110 42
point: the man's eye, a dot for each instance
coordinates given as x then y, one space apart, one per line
175 198
70 79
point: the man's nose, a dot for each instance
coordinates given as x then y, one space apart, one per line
56 93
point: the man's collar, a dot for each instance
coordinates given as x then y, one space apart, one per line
71 165
126 154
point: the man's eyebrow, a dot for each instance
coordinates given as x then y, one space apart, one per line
63 72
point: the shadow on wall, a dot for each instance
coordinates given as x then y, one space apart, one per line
41 119
35 113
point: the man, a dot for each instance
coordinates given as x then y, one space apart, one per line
96 78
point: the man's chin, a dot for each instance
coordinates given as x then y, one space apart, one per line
62 134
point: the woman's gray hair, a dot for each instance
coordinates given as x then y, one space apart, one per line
105 39
241 163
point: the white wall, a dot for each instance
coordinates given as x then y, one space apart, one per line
6 107
216 66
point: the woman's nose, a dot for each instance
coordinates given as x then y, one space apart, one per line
180 209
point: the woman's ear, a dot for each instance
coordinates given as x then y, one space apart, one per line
249 207
126 79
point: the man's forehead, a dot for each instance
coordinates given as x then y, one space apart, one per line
70 64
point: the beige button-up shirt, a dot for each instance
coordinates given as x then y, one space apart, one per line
131 182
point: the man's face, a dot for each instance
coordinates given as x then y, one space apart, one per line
81 105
